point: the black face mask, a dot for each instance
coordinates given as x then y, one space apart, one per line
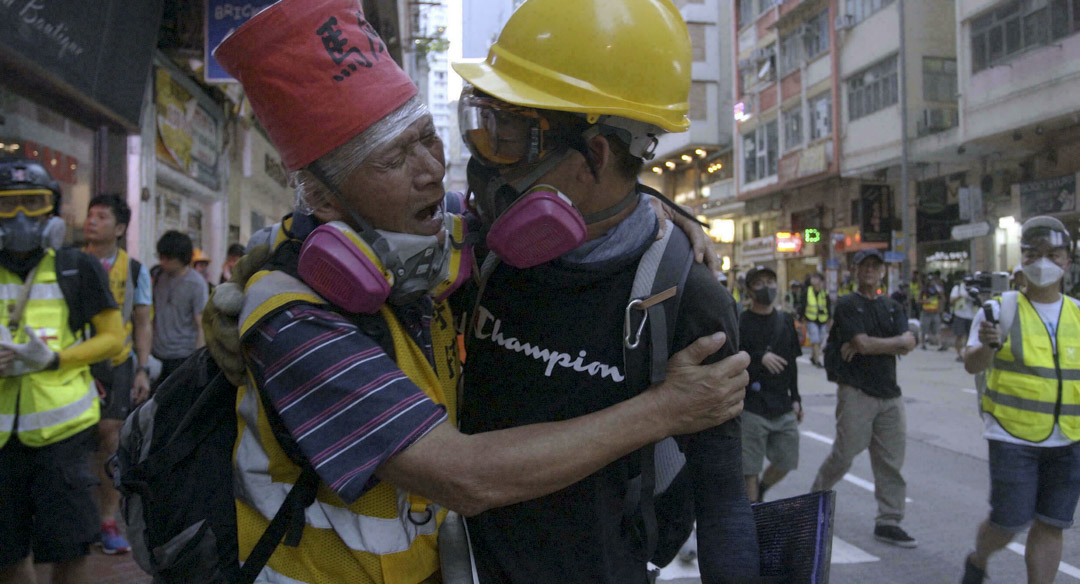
765 295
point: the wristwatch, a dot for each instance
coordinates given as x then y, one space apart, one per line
144 369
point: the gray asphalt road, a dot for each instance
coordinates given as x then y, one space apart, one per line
947 481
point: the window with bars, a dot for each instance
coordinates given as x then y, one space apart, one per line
790 52
1016 26
760 152
872 90
816 37
793 133
939 79
746 13
820 116
860 10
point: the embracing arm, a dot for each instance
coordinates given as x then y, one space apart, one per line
473 473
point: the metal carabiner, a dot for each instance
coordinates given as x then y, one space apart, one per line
638 304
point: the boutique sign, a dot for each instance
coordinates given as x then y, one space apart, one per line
100 48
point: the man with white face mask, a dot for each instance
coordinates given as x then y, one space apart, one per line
1031 406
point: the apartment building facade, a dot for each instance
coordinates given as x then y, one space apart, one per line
695 167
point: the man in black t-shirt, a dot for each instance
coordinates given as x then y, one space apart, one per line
868 333
772 409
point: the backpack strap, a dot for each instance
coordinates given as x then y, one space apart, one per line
67 277
287 524
654 301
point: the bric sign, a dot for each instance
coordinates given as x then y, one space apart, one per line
221 19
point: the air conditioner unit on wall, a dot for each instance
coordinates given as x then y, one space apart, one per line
845 21
762 54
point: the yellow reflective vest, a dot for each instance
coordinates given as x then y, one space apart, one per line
386 536
1030 386
47 406
817 306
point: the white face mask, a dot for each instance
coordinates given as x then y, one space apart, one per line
1043 272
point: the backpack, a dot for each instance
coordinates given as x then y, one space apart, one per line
175 475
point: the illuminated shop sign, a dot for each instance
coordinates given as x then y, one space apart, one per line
788 242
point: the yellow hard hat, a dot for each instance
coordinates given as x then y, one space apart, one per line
199 256
626 58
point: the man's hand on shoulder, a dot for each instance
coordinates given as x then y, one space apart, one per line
694 397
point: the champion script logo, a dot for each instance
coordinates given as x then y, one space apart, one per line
552 358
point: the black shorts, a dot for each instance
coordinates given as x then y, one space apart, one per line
116 383
46 501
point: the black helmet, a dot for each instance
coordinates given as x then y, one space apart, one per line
23 173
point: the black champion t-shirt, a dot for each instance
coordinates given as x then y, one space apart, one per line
881 317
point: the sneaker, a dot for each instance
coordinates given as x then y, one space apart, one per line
894 535
112 542
972 574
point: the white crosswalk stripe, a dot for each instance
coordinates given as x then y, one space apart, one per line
861 483
1064 568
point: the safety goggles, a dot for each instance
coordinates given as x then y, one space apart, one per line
31 202
502 134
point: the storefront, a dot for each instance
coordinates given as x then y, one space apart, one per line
73 77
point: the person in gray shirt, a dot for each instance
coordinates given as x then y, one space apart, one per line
180 294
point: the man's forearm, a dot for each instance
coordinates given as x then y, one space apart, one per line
867 345
491 469
200 338
977 359
142 335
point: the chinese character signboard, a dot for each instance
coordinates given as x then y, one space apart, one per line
876 213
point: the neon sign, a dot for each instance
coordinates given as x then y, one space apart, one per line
787 242
811 235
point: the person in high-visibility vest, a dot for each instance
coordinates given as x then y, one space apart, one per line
124 379
915 294
931 307
1031 406
48 400
817 314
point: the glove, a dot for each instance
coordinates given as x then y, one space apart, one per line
31 356
221 325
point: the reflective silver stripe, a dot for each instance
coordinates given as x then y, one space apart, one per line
1019 403
1041 372
1070 409
373 535
267 287
7 422
49 291
270 576
56 416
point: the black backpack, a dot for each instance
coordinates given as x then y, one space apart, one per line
174 472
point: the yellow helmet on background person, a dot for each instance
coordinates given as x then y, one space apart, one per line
199 256
625 58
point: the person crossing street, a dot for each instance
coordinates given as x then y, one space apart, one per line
1030 406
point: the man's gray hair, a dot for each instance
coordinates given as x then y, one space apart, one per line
342 161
